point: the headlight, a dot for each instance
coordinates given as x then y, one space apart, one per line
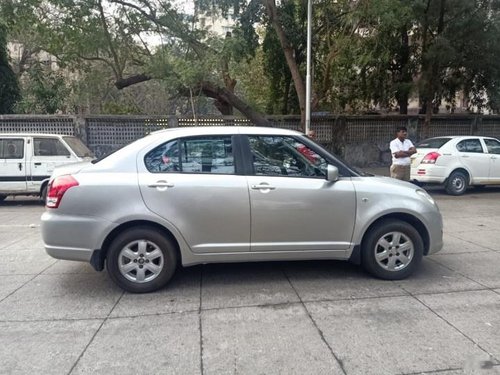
426 195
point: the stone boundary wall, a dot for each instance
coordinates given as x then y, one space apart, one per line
361 140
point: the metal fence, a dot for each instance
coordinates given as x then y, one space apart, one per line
103 134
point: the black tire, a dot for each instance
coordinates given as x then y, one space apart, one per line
128 240
43 194
386 229
2 197
457 183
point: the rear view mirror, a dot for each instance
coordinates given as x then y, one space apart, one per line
332 173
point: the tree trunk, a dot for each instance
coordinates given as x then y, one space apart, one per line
298 81
432 70
403 93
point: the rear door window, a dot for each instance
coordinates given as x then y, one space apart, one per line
206 154
49 147
470 145
11 148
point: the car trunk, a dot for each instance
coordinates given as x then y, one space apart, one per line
417 158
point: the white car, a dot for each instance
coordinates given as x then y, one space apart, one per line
457 162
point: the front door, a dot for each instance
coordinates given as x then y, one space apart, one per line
13 165
192 183
293 206
471 154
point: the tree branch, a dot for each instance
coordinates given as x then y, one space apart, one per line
119 68
132 80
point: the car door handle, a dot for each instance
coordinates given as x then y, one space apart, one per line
493 157
263 187
20 166
38 164
161 184
465 156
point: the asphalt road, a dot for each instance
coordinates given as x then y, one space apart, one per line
325 317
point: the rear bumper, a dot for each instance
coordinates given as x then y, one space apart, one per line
72 237
430 174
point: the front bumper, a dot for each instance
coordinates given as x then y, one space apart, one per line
435 228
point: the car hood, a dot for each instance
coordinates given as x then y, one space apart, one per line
387 184
71 168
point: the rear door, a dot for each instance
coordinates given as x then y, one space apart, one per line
471 154
193 183
13 164
48 152
493 147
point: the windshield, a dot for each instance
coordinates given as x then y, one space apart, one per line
432 142
78 147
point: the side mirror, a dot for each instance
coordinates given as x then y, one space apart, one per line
332 173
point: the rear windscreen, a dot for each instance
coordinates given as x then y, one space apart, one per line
432 142
78 147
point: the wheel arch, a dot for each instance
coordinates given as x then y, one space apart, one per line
459 169
43 185
408 218
99 256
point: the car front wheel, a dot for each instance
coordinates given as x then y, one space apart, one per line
456 183
141 260
392 250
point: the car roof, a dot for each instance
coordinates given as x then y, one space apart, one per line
208 130
458 137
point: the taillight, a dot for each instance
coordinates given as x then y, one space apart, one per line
430 158
57 188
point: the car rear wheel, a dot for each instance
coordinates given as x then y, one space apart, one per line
457 183
141 260
392 250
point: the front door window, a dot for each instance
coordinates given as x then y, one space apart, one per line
285 156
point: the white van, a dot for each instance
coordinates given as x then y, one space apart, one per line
27 161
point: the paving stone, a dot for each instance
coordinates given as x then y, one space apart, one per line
390 336
181 294
480 267
61 297
166 344
432 277
24 262
324 280
262 340
476 314
245 284
10 283
455 245
43 347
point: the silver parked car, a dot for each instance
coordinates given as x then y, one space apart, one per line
232 194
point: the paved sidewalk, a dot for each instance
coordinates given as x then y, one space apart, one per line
59 317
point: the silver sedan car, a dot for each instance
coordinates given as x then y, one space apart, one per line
187 196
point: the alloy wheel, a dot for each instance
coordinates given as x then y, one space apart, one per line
394 251
140 261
